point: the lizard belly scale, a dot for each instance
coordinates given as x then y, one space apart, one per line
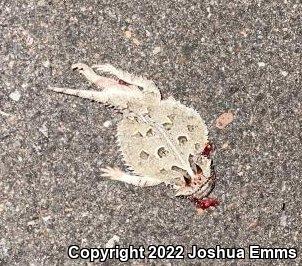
152 149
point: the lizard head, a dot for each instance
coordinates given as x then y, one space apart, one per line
202 180
201 184
204 171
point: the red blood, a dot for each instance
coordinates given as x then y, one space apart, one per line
208 150
121 82
205 203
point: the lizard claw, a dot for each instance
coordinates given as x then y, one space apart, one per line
79 66
112 173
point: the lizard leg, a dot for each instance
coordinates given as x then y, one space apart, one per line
140 181
100 81
116 97
113 92
147 85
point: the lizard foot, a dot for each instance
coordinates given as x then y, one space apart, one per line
112 173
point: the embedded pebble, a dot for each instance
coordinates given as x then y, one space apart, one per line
31 223
11 64
128 34
261 64
209 12
225 145
4 114
284 73
283 219
253 224
224 119
243 33
29 40
15 96
156 50
4 249
107 123
44 130
46 63
46 218
112 241
240 173
136 41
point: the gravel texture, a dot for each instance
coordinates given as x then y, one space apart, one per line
215 56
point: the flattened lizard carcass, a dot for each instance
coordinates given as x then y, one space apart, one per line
161 141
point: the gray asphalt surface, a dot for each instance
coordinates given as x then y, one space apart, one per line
214 56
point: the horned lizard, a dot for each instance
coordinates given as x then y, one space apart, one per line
161 141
